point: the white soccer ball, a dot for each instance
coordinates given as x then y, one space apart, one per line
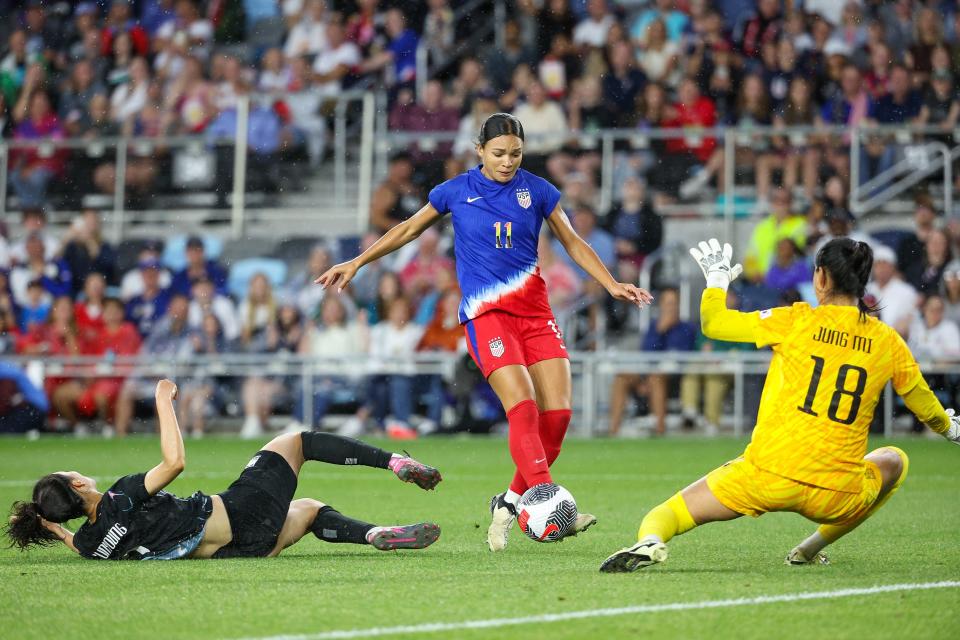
546 512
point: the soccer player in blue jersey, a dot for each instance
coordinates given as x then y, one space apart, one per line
498 210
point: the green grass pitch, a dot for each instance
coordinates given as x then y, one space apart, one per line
316 587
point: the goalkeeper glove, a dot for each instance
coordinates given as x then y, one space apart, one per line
714 261
953 433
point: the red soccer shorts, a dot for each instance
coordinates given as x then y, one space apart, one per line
497 339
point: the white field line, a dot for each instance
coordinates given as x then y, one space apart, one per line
492 623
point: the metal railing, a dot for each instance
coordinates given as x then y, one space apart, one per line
593 373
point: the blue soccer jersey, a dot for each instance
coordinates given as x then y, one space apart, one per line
496 227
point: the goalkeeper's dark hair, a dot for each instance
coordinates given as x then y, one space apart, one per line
849 263
54 499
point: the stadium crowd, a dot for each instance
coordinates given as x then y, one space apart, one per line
567 68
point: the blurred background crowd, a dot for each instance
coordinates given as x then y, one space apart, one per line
570 70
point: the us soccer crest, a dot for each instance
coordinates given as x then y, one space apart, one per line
523 198
496 347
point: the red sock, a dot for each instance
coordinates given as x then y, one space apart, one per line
525 446
553 428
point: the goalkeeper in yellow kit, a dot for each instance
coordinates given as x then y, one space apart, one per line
808 453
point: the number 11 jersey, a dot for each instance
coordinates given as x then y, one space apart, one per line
496 227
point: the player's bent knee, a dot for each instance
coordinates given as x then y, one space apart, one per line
892 461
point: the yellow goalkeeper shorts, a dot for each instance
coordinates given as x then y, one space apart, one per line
751 491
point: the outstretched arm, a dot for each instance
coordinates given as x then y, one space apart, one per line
584 255
171 442
405 232
719 323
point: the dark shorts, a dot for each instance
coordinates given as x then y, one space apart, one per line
257 504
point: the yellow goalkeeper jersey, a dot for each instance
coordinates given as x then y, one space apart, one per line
827 374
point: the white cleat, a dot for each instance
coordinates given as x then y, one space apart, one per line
642 554
584 521
797 558
503 515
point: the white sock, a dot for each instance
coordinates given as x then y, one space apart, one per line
812 545
512 497
651 538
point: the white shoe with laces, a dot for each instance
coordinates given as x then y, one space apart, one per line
503 516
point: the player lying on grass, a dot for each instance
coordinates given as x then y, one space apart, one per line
255 517
829 367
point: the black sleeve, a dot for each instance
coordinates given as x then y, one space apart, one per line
132 487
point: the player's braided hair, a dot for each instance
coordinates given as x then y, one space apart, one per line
849 263
499 124
53 499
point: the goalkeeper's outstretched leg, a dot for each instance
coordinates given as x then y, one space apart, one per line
893 465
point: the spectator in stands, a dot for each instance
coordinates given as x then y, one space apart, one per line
35 309
393 342
275 75
388 290
31 168
155 14
563 284
132 282
258 315
501 61
332 65
470 81
187 30
145 308
308 36
300 288
675 21
33 221
545 126
941 105
118 72
659 58
58 337
555 17
911 248
190 97
839 221
584 221
591 32
932 336
439 32
260 392
714 386
763 27
170 339
781 223
206 300
334 338
198 267
442 334
796 154
264 23
85 251
896 299
790 269
926 274
420 273
366 25
877 76
753 110
54 275
94 396
88 309
850 107
397 197
198 391
929 34
691 110
430 115
400 52
667 333
636 228
75 97
622 84
130 98
121 21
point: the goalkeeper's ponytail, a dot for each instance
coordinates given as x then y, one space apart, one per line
849 264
